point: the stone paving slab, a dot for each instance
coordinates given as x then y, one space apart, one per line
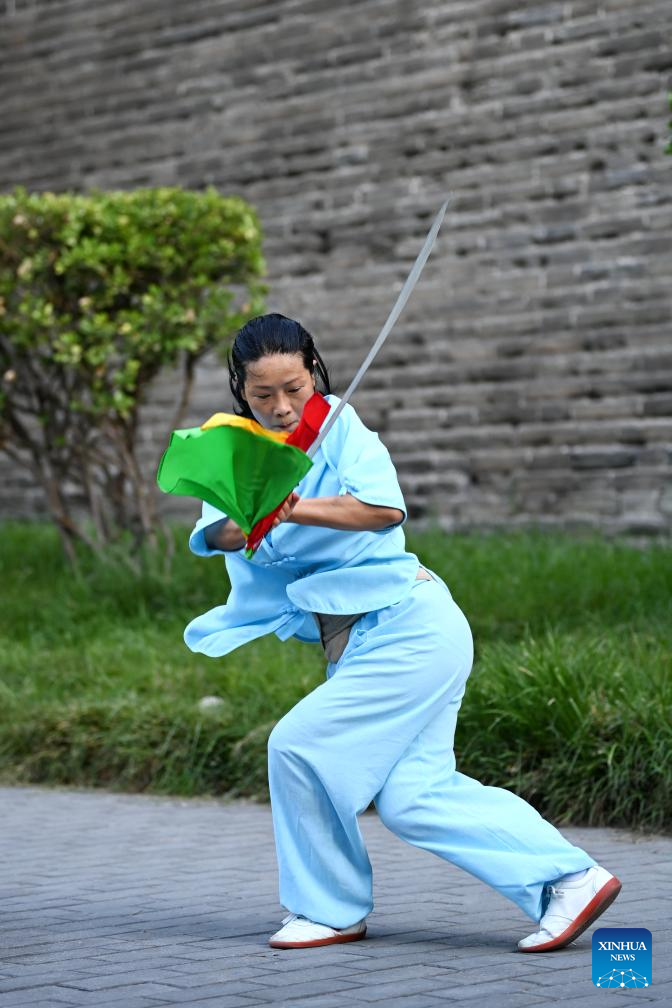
127 901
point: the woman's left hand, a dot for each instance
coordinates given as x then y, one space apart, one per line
285 511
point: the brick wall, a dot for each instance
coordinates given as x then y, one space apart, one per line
530 377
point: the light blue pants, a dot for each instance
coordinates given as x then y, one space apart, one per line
381 729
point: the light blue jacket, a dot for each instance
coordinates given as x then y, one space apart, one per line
302 569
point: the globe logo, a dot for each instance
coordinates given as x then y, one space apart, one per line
622 978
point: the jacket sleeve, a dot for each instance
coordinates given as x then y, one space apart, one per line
363 463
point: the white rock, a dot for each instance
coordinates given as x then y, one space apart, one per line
208 702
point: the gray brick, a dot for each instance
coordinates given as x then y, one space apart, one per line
436 934
27 996
235 1001
547 294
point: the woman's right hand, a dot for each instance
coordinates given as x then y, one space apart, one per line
225 535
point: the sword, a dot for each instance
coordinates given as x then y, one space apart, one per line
403 297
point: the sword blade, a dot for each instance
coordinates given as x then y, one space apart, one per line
397 309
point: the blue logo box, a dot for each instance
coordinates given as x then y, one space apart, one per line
622 958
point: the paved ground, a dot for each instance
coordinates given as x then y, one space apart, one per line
128 901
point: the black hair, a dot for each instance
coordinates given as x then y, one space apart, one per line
270 334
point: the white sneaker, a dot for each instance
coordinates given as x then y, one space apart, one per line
573 906
299 932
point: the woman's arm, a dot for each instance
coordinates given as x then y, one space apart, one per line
224 535
345 512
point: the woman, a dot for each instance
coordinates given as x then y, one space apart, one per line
334 569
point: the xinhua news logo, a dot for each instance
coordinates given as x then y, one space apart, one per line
622 957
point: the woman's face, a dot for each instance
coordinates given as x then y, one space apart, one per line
277 387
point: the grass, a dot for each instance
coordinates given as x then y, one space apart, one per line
569 702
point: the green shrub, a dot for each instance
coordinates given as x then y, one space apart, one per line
98 292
